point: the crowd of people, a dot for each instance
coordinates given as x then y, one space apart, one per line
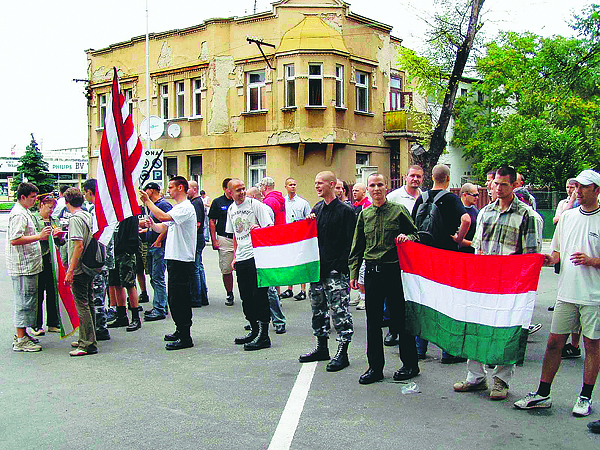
357 250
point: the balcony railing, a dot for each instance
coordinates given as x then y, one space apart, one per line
403 121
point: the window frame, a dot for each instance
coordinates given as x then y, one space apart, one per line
290 79
129 100
362 87
339 86
396 93
197 177
180 98
102 104
261 169
260 86
319 79
197 97
164 100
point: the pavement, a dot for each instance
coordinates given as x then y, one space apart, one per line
136 395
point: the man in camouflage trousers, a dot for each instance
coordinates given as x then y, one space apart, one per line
100 281
335 230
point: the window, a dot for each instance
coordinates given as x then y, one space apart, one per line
256 90
164 101
315 84
362 160
171 166
257 168
180 87
196 169
362 91
339 86
290 85
101 110
396 97
463 92
129 101
197 83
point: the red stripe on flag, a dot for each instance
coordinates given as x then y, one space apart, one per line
112 183
65 293
488 274
285 233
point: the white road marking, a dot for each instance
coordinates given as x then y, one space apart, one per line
282 439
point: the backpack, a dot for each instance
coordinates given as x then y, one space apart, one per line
429 221
93 257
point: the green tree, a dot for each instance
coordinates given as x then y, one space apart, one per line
33 168
538 106
436 75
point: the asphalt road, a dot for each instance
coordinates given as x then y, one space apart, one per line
136 395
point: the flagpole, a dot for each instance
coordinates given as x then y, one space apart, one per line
148 141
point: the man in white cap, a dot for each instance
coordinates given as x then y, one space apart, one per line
576 246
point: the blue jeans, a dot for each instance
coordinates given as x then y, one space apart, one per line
198 287
422 347
155 261
277 315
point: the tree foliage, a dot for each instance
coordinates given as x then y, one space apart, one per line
539 104
34 169
436 74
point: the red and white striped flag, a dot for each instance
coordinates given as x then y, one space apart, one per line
65 302
118 165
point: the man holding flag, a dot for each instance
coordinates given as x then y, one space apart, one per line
506 226
377 229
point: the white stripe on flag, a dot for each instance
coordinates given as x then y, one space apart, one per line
497 310
287 255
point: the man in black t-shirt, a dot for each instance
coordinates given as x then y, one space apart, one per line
222 241
456 223
469 195
199 289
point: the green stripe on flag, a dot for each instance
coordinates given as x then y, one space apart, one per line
289 276
484 343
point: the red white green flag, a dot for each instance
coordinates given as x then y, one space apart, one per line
65 303
286 254
474 306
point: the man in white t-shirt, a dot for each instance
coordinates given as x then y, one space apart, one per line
408 194
576 245
180 254
243 215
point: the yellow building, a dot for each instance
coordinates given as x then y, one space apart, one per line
327 95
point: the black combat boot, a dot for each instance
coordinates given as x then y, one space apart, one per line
320 353
262 340
250 336
340 360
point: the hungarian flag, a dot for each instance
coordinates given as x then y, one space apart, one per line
286 254
118 165
65 303
475 306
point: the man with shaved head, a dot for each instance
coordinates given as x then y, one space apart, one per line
331 294
469 195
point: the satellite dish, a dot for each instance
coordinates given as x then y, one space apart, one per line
417 149
174 130
157 128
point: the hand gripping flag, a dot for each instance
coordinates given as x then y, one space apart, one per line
286 254
118 166
65 303
475 306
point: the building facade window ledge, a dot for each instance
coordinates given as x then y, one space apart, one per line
255 113
193 118
363 113
177 119
341 108
316 107
289 108
100 129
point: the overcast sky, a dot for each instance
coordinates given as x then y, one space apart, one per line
43 44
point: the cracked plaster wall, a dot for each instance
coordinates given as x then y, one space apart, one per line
219 71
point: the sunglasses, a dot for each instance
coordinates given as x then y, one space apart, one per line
474 195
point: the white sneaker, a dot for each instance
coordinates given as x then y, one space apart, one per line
361 305
583 407
26 345
533 400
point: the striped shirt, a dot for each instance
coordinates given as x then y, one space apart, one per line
511 232
22 259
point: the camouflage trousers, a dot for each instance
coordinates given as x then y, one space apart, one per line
332 295
99 288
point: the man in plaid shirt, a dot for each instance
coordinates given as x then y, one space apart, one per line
507 226
24 263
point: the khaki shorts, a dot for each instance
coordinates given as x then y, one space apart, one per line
569 317
226 254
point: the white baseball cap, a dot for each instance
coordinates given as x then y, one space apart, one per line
588 176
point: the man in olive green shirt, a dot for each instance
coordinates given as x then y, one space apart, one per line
377 230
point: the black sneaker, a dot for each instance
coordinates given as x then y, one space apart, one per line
143 297
229 301
179 344
102 335
118 322
287 294
569 352
300 296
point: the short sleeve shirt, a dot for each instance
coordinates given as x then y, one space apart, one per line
181 238
296 209
79 229
164 206
240 221
218 213
22 259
